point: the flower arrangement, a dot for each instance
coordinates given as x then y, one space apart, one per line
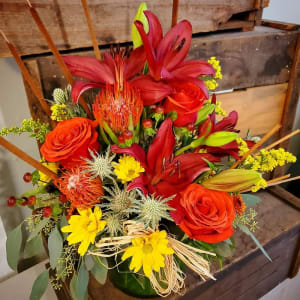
153 180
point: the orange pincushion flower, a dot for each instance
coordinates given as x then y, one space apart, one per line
80 188
239 204
116 104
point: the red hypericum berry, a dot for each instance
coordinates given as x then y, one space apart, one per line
25 201
47 211
147 123
63 198
159 110
31 200
121 139
27 177
11 201
190 127
127 134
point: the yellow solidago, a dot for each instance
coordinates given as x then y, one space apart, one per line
211 84
58 112
84 228
216 65
218 109
51 166
127 169
243 147
148 252
261 184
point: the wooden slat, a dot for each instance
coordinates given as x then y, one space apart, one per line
112 20
259 108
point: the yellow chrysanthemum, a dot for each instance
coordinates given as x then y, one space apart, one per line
51 166
84 228
127 169
148 252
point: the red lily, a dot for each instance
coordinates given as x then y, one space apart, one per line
115 68
165 174
165 57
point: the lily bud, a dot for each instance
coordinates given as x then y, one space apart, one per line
140 16
232 180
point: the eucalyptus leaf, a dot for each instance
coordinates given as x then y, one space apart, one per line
73 287
89 262
13 247
63 222
224 249
55 245
39 286
100 269
246 230
220 138
38 228
250 200
33 247
82 282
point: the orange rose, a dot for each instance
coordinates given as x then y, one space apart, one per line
70 141
205 215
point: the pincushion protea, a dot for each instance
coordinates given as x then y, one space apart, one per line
80 187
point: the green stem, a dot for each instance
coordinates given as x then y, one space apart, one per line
103 135
181 150
110 133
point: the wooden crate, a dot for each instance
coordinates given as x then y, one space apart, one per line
261 68
112 20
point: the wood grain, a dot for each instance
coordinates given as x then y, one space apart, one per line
259 108
112 20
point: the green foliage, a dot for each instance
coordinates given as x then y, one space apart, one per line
246 230
204 112
89 262
39 286
73 287
37 229
63 222
100 269
82 282
36 129
35 177
250 200
33 247
55 245
247 219
13 247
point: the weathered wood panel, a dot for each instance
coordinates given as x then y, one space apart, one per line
247 275
256 58
112 20
259 108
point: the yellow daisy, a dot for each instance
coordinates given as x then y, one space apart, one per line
148 252
84 228
127 169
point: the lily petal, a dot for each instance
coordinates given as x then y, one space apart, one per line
138 183
81 86
194 68
135 63
175 45
161 149
151 91
89 68
228 123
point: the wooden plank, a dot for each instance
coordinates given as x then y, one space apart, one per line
259 108
256 58
285 195
280 25
112 20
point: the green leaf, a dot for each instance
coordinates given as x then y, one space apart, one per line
220 138
246 230
35 177
55 245
89 262
140 16
39 286
82 282
204 112
63 222
33 247
13 247
38 228
100 269
73 287
224 249
250 200
40 189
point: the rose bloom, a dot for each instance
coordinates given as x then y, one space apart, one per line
70 141
203 214
186 100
